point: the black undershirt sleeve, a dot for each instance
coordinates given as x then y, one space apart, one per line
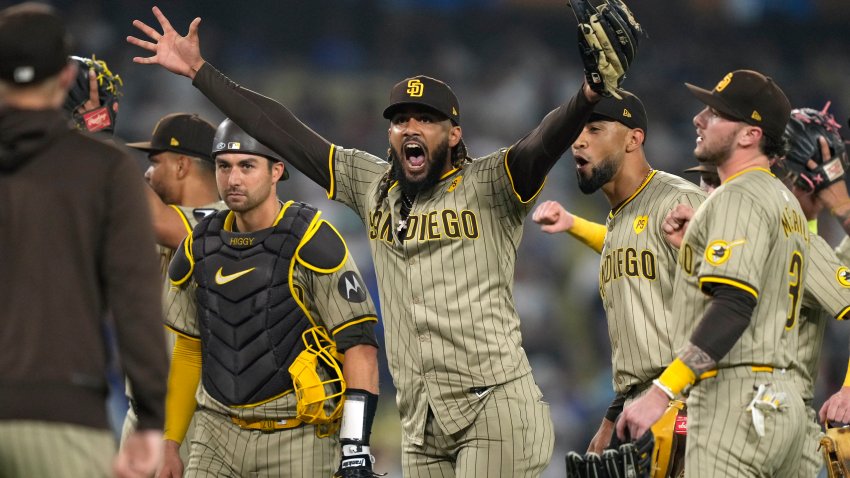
269 122
725 320
616 407
531 158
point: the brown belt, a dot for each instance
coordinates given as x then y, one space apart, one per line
266 425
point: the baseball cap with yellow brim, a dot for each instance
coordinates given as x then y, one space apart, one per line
424 91
750 97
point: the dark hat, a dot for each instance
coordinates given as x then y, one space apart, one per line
703 168
424 91
751 97
185 133
628 111
33 43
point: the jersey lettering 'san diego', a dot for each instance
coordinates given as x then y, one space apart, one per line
750 234
636 279
450 322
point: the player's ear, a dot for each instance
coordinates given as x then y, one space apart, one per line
277 170
750 135
634 139
455 134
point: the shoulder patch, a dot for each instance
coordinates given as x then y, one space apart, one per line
324 250
351 287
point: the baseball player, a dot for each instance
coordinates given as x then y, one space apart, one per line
738 292
444 230
268 276
638 264
182 191
78 205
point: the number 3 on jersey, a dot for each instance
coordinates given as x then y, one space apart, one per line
794 288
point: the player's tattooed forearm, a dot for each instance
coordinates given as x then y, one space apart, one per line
696 359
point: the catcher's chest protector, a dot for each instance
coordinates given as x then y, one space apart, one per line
250 323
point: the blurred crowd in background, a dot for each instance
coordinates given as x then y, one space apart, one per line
333 62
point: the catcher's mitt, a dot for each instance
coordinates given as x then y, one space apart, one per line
608 36
103 116
630 459
835 446
803 130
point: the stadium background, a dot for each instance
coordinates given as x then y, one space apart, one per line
333 63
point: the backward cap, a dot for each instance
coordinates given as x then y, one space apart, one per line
185 133
749 96
34 44
424 91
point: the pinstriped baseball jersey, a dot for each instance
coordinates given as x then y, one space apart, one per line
322 295
446 291
177 305
636 279
827 296
751 234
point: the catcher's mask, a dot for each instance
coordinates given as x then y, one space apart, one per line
109 86
320 400
230 138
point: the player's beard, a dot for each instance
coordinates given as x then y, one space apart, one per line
432 177
600 175
719 153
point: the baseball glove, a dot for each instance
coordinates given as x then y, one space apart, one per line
103 116
630 459
803 130
608 36
835 446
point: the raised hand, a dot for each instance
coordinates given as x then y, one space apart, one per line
552 217
177 54
676 224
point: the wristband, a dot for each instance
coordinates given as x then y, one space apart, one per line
676 377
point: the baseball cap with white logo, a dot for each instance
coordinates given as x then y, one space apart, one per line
34 44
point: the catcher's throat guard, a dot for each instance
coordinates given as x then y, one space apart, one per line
320 401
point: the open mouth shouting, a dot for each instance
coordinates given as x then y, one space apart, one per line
582 164
414 156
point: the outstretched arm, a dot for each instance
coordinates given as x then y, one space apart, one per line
261 117
553 218
530 159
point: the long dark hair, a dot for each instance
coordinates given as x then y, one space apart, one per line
459 157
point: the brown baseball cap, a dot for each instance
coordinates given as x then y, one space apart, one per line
703 168
751 97
185 133
424 91
628 111
34 44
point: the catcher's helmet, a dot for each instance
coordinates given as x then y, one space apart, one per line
230 138
109 86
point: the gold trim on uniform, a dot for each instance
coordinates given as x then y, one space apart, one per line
511 180
727 281
182 218
843 314
182 334
370 318
640 188
747 171
331 191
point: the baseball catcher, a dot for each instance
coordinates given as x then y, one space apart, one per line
608 36
92 101
803 165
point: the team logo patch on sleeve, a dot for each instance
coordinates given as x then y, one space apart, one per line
640 224
351 287
719 252
842 275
